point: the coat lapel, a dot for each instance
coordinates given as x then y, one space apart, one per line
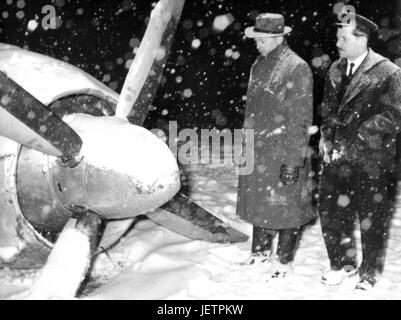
279 58
360 80
356 84
336 74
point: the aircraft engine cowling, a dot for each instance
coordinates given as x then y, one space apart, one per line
125 171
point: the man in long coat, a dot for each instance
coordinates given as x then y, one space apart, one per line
361 114
275 197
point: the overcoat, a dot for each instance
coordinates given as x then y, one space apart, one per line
279 109
362 125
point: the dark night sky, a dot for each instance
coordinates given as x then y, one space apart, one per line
95 34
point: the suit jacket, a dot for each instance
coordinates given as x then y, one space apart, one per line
363 125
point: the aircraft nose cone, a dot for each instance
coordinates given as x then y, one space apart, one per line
129 171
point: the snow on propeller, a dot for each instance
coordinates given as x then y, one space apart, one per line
75 173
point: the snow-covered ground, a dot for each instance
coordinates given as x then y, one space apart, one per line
155 263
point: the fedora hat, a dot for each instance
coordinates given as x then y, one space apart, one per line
268 25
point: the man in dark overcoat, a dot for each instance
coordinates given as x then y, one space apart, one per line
276 197
361 115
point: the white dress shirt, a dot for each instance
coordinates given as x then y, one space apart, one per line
357 62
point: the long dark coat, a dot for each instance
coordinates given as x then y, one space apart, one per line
363 125
279 97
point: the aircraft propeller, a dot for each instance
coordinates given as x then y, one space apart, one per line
32 124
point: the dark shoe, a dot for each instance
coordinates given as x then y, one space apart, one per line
279 270
257 258
366 282
364 285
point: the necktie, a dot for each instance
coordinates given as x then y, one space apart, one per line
351 70
346 79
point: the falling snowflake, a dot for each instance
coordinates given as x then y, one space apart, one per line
343 201
187 93
32 25
196 43
222 22
20 4
312 130
128 63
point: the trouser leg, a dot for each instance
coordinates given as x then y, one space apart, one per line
377 207
337 215
262 239
287 244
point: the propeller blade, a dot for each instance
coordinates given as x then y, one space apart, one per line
27 121
147 68
70 259
187 218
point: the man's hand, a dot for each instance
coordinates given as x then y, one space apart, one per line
373 142
325 147
372 131
288 174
